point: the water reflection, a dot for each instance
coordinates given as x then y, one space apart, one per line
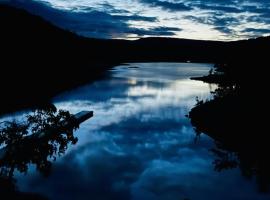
140 144
38 140
238 142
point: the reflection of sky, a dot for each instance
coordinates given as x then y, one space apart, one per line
139 144
194 19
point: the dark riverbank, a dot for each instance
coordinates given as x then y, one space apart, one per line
40 60
235 119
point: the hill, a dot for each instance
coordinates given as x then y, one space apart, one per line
39 60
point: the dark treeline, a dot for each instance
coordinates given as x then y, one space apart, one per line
238 124
39 60
237 116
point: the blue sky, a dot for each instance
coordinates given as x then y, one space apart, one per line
131 19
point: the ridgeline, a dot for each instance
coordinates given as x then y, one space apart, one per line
39 60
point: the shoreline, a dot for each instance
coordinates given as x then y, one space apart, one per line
34 91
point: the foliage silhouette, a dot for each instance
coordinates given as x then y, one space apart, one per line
239 140
38 140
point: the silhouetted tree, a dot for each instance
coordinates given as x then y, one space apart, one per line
42 137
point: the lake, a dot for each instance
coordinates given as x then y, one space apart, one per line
140 144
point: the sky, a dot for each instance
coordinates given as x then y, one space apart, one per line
132 19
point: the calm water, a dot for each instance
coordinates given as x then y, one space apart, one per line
140 144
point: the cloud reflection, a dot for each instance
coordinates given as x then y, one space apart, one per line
139 145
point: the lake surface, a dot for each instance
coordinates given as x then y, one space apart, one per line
140 144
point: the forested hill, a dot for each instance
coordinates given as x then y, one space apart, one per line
23 33
36 53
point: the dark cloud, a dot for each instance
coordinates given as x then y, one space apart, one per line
218 8
259 19
215 20
171 6
111 9
164 28
165 31
93 23
107 20
134 18
219 14
224 29
220 23
257 31
157 31
260 14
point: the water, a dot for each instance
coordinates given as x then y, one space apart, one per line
139 144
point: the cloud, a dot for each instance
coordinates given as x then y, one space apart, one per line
260 15
219 22
224 29
218 8
218 19
157 31
112 10
93 23
226 16
167 5
256 31
134 18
